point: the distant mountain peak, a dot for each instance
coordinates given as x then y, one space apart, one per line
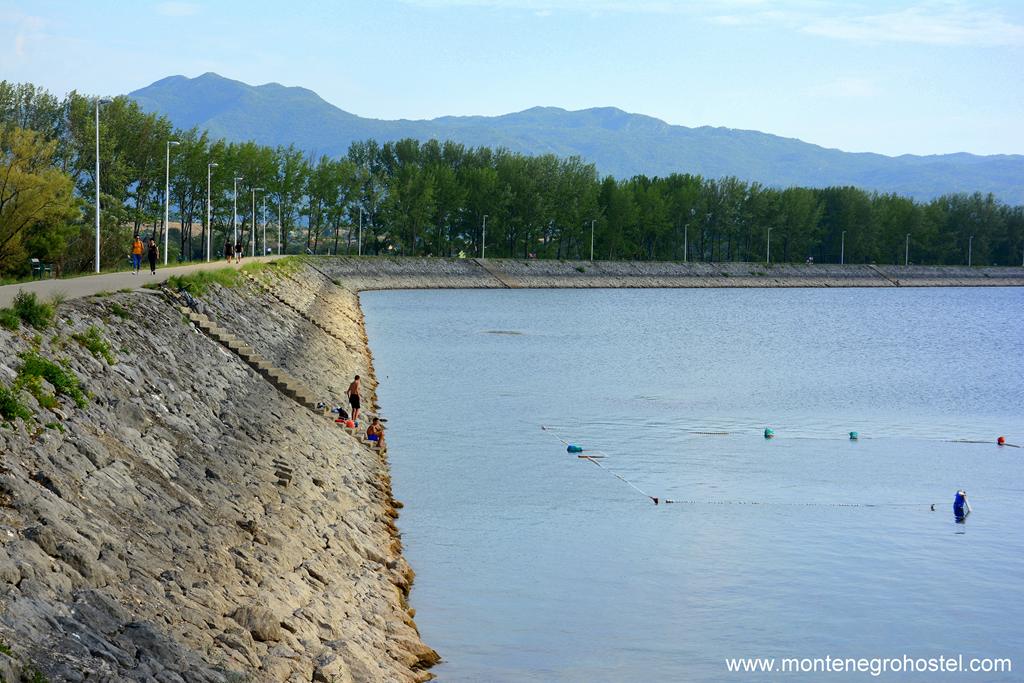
620 143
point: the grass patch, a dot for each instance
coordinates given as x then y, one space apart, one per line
34 675
120 311
103 295
27 309
581 269
92 339
198 284
34 367
12 409
9 319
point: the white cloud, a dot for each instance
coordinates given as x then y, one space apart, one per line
22 30
930 24
177 9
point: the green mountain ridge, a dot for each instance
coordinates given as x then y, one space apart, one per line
621 144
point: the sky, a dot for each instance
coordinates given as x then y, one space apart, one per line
900 77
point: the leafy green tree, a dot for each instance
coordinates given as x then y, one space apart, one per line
36 200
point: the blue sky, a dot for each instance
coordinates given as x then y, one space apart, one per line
917 76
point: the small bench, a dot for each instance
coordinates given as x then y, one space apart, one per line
41 269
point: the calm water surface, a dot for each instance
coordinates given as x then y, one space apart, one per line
534 565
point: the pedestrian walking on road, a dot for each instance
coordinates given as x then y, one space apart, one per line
154 253
238 252
137 249
228 250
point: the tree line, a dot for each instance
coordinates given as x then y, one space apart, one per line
430 198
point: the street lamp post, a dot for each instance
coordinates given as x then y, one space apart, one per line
234 212
167 197
768 251
99 102
252 246
592 222
359 247
209 228
906 252
280 227
686 236
842 249
483 241
264 224
970 250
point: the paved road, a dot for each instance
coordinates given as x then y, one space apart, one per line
73 288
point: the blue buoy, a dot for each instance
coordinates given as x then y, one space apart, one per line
769 432
573 448
854 436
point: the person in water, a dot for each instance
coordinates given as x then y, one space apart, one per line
961 508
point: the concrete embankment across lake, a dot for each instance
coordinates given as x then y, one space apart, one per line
191 516
396 273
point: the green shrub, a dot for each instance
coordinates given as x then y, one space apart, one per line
198 284
92 339
31 311
11 409
9 319
120 311
64 381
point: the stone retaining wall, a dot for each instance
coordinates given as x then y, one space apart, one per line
151 534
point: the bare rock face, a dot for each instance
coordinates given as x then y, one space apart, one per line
147 537
259 621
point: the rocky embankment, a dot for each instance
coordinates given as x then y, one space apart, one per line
185 520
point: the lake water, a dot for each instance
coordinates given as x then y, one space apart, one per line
535 565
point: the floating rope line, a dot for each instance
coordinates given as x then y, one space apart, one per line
711 433
593 457
669 501
585 455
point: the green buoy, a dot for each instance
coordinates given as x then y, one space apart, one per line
769 432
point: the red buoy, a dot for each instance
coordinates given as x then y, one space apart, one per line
1001 441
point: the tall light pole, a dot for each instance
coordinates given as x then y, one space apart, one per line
359 247
592 240
842 249
906 252
280 227
209 228
483 242
253 230
970 250
768 251
234 212
264 224
167 197
99 101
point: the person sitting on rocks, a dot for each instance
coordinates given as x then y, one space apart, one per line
375 432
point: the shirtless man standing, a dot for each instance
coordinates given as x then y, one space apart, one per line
353 397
